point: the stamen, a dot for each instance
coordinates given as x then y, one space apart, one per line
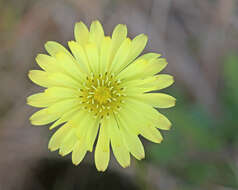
102 92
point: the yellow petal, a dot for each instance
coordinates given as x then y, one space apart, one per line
81 33
153 83
144 126
43 117
69 66
118 36
149 114
149 56
54 48
80 56
62 80
58 136
93 57
102 151
96 33
105 54
39 77
63 106
65 117
51 96
152 134
137 46
47 63
79 152
157 82
119 149
132 142
55 79
142 68
61 93
159 100
161 122
83 122
40 100
68 143
92 134
120 59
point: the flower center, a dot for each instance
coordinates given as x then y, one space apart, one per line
102 94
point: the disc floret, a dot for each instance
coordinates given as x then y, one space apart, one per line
102 94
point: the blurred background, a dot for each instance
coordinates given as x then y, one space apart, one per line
200 40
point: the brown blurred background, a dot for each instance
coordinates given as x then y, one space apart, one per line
200 40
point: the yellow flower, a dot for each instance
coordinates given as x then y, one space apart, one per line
101 88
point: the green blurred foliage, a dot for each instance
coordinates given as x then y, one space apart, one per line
198 149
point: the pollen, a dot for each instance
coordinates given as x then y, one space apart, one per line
102 94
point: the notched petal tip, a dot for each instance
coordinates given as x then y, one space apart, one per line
29 74
75 163
174 102
158 140
51 149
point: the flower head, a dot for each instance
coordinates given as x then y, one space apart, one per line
101 88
